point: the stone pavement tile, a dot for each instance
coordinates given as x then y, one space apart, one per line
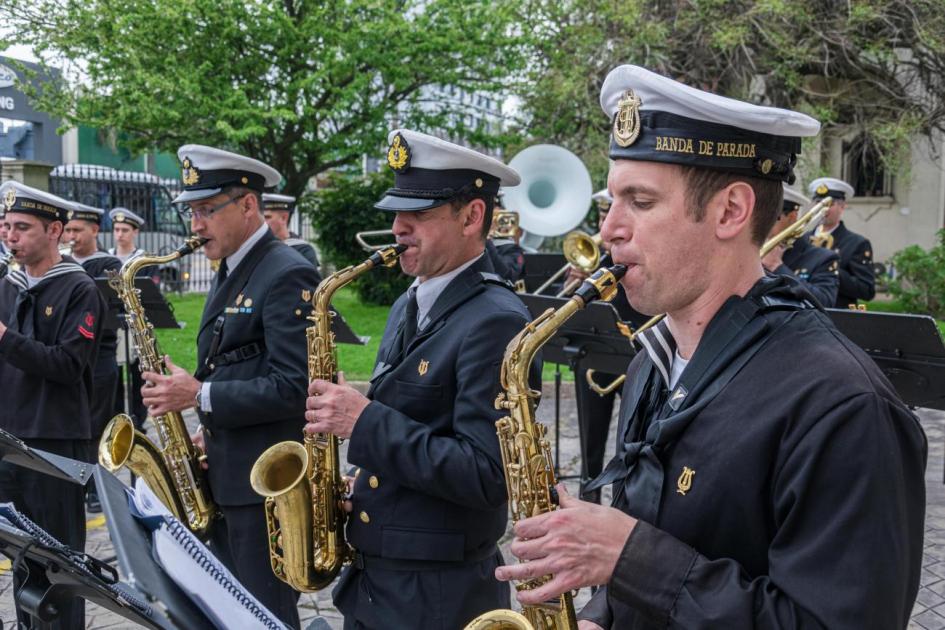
930 620
929 598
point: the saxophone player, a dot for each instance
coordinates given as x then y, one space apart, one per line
429 501
249 388
50 329
767 475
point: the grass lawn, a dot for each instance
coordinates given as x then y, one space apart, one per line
356 361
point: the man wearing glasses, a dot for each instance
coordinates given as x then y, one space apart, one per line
250 385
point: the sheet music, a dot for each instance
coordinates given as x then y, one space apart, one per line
208 583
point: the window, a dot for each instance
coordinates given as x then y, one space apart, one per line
16 139
864 170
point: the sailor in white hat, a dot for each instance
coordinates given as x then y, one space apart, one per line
252 369
815 267
434 385
126 226
857 276
278 210
743 400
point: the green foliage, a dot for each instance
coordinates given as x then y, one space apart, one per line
919 284
304 86
341 209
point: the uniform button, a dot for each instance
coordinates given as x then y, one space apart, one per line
298 312
373 482
365 518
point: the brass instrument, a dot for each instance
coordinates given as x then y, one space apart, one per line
6 264
172 471
581 251
805 223
302 482
361 238
65 249
526 453
504 224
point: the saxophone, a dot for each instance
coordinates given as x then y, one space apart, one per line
526 454
302 481
172 470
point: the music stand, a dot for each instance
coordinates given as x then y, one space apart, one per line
590 339
15 451
344 333
133 549
539 267
907 348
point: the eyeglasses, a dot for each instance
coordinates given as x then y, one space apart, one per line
204 213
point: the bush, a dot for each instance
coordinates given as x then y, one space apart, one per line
919 284
346 206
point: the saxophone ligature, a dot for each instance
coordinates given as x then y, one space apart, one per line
302 482
172 470
526 453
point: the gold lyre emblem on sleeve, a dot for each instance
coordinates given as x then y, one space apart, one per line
684 483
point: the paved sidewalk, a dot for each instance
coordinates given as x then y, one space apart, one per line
928 614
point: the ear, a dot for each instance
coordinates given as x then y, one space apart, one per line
474 215
734 206
251 204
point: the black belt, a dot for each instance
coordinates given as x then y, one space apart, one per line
362 562
243 353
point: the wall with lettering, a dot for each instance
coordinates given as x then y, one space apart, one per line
26 133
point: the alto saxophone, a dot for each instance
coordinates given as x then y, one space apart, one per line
302 481
526 454
172 470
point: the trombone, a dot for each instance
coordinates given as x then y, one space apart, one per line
361 238
582 251
805 223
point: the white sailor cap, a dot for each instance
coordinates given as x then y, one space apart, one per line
206 171
830 187
793 200
17 197
124 215
87 213
603 199
272 201
429 172
656 119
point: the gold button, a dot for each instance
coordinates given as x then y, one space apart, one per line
298 312
373 482
365 518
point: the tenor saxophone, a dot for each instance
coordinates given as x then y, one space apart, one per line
526 454
172 470
302 481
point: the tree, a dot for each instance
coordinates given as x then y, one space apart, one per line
873 67
304 86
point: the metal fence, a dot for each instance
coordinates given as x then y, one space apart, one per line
150 198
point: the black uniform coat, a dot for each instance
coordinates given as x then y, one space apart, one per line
305 248
48 351
779 485
816 268
259 400
857 280
430 499
508 259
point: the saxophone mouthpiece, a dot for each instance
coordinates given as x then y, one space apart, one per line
602 285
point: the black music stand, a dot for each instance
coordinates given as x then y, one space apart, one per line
539 267
344 333
133 549
15 451
590 339
907 348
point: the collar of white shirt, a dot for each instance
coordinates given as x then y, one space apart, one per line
429 290
237 257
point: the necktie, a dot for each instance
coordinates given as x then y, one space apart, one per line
222 273
410 319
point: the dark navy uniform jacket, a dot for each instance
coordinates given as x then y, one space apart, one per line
780 484
507 258
305 248
259 373
47 352
97 266
816 268
857 280
430 497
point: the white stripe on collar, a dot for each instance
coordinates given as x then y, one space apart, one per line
62 268
661 347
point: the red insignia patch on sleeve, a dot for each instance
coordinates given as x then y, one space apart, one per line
86 329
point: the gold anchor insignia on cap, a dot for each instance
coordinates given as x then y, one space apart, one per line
627 120
49 310
822 189
398 155
684 483
423 367
766 166
120 217
190 174
70 214
9 198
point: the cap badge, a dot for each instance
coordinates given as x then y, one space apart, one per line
398 155
627 120
119 217
190 175
9 199
70 214
822 189
766 166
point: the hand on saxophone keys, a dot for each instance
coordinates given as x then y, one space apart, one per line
333 408
578 544
199 441
172 392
